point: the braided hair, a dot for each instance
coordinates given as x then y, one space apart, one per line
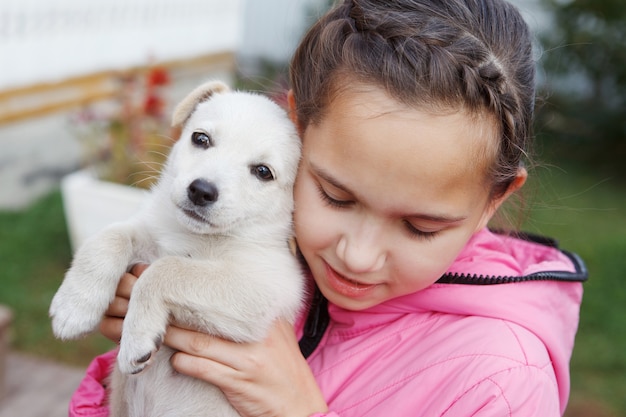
434 55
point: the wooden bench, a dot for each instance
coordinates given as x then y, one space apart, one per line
41 99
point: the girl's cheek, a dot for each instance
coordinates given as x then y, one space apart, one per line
316 227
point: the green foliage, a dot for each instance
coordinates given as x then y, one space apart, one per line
592 35
585 81
34 254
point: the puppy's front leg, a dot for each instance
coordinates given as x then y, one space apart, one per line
206 295
146 320
90 284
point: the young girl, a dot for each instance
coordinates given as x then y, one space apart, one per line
415 117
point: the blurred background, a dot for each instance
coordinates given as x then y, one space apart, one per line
86 89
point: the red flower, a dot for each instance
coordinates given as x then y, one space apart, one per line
158 76
154 106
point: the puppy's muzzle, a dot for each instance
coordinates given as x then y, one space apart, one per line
202 193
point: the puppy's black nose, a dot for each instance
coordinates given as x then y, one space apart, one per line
202 192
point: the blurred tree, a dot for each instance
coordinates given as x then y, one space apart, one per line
584 60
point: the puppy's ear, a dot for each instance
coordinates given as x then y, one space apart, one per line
186 107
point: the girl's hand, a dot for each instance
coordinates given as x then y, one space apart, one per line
111 324
263 379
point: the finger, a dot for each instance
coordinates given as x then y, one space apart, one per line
118 308
189 341
202 345
111 328
125 286
113 320
201 355
138 269
196 356
201 368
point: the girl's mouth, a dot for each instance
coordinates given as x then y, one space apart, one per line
346 286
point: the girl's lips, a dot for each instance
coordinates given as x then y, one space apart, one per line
346 286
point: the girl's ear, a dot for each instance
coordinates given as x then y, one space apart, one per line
493 206
291 103
518 182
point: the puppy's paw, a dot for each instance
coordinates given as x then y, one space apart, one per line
72 316
136 354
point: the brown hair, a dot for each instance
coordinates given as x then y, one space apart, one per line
431 54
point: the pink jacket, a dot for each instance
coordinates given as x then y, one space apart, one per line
458 348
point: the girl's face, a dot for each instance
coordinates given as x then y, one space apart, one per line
387 196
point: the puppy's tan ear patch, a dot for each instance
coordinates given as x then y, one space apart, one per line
293 245
186 107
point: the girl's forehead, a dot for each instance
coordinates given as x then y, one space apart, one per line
381 121
367 140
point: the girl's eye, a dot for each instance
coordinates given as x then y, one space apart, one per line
201 139
333 202
414 231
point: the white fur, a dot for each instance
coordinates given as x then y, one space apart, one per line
223 268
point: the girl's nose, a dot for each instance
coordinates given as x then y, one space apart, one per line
361 252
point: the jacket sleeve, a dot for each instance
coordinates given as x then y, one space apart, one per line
517 392
91 397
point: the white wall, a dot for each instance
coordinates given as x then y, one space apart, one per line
48 40
273 28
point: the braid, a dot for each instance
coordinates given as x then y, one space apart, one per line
469 54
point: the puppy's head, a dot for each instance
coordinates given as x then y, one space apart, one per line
233 168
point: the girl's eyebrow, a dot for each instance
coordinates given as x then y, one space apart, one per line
329 179
435 218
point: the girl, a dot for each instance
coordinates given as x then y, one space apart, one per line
415 117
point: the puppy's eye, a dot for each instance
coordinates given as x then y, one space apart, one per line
262 172
201 139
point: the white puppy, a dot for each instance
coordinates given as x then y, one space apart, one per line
215 232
